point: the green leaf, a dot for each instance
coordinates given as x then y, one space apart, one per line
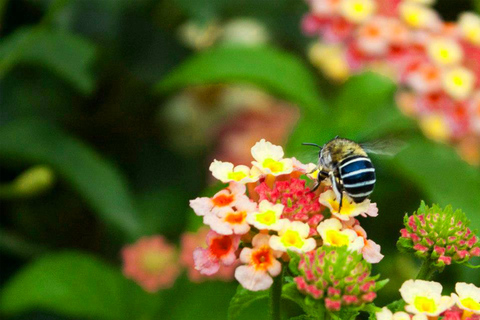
397 305
95 179
303 317
294 261
345 314
279 72
76 284
380 284
443 176
242 299
315 308
68 56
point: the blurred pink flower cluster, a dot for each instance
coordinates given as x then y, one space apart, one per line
435 63
155 264
267 210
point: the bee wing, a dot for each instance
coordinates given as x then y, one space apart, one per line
386 147
308 156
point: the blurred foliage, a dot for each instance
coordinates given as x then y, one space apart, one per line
83 84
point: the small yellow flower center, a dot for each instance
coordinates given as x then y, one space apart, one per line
336 238
347 207
292 239
457 80
267 218
153 262
358 7
471 304
444 53
273 165
237 176
424 304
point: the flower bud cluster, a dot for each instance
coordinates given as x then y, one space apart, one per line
339 276
439 235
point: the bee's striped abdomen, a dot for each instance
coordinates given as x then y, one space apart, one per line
358 177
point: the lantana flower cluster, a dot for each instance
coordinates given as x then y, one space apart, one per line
339 276
438 235
155 264
435 63
424 300
267 210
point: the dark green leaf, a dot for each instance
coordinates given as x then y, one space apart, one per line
76 284
345 314
242 299
303 317
67 55
443 176
277 71
100 184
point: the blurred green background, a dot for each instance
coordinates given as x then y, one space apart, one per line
111 111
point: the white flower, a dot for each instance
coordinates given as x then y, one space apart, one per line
425 297
267 217
226 172
261 264
467 297
269 159
332 234
357 11
385 314
226 198
419 16
444 51
227 221
293 236
458 82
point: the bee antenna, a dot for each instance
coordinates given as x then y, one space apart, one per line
311 144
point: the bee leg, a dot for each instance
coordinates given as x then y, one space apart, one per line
321 176
336 189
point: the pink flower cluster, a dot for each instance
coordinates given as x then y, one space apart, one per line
269 210
435 63
155 264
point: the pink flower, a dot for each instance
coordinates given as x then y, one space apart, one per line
189 242
151 262
220 251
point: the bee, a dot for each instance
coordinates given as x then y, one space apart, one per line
347 165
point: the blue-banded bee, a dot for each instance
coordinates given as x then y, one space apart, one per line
347 165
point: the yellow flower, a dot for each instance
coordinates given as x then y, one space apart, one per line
418 16
349 207
444 51
293 236
332 234
267 217
458 82
467 297
330 59
435 127
425 297
226 172
357 11
269 159
469 25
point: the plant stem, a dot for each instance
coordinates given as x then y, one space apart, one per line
275 296
426 271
